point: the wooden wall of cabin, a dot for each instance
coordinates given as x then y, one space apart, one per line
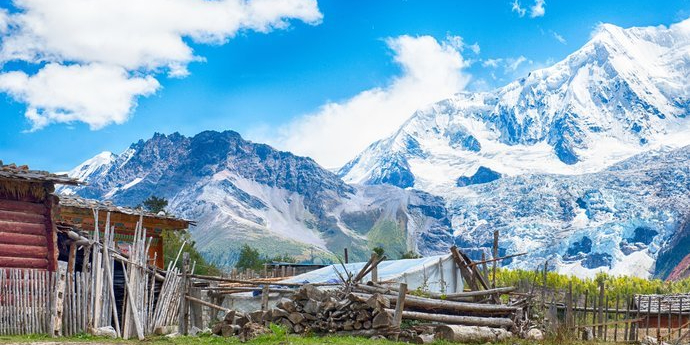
124 227
28 235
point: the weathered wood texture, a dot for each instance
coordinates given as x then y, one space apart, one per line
25 301
26 235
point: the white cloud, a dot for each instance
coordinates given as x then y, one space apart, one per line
59 93
147 37
431 71
512 64
517 9
559 38
538 10
493 63
459 44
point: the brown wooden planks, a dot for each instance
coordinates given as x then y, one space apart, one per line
22 228
23 251
22 217
23 239
14 262
22 206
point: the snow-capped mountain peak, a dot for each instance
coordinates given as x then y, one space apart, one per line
622 93
95 166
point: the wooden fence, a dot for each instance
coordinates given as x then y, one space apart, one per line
26 297
612 318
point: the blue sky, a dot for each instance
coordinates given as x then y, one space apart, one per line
263 84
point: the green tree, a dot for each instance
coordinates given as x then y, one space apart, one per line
155 204
378 250
172 241
410 255
250 258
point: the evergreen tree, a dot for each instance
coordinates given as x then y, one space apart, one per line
155 204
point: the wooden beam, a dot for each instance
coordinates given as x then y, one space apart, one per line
22 206
464 270
210 305
457 319
22 217
497 259
23 239
22 228
22 251
14 262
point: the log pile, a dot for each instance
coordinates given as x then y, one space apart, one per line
317 311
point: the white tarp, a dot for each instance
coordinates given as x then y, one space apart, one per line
434 273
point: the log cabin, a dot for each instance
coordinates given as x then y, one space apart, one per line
79 212
28 215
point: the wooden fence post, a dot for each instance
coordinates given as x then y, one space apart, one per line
600 314
495 254
264 297
184 291
399 305
569 320
59 299
196 310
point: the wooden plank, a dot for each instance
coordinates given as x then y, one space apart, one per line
22 228
22 206
22 217
22 251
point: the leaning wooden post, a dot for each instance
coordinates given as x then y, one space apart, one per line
399 306
132 309
375 272
184 291
71 258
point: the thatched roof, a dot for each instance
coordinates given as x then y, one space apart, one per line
13 172
107 206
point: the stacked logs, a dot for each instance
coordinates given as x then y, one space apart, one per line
314 310
244 326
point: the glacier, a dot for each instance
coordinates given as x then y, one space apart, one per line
569 162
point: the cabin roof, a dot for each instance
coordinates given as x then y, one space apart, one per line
14 172
663 303
107 206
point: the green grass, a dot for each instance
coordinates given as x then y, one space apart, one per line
272 338
262 340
